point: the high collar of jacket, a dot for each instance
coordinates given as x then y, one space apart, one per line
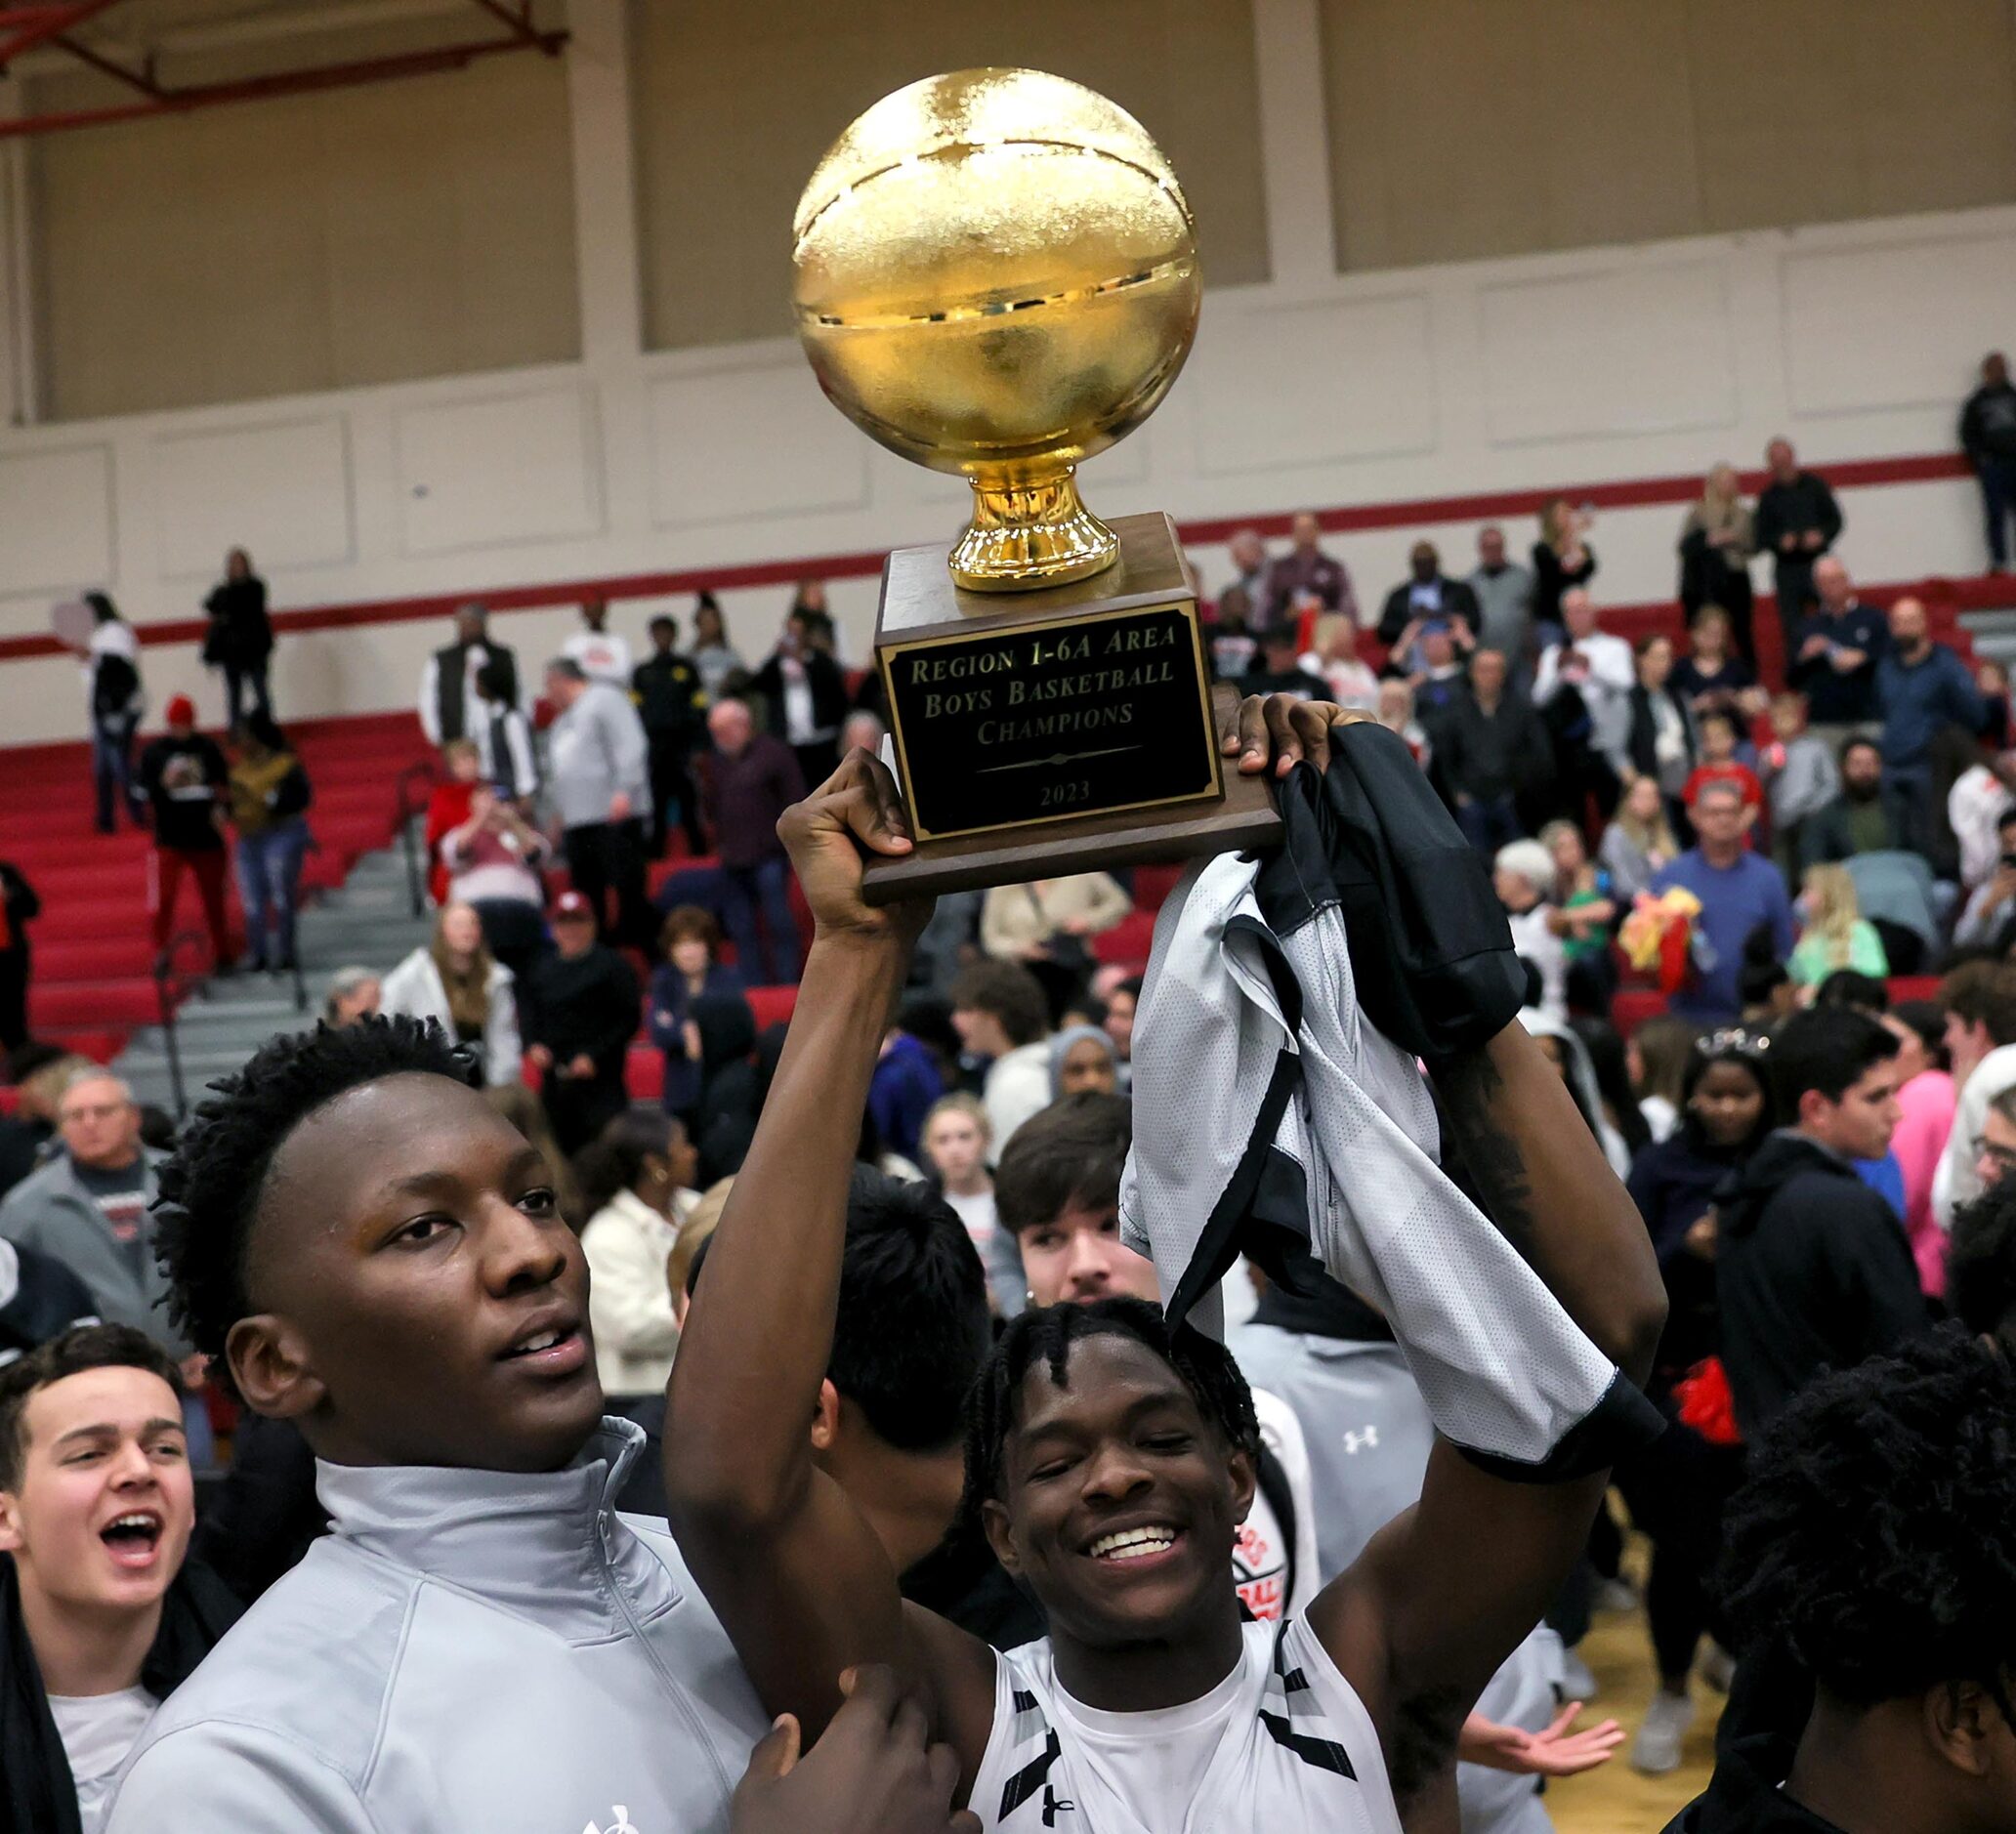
1784 1157
1745 1796
540 1545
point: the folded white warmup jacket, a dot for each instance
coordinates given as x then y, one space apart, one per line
1271 1117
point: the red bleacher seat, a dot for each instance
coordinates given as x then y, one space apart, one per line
93 949
644 1073
1127 942
773 1005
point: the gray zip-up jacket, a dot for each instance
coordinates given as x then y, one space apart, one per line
469 1649
51 1211
594 749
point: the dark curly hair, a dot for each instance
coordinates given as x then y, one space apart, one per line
1980 1263
1874 1538
1046 1333
211 1187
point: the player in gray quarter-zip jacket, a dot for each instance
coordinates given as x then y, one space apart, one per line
482 1641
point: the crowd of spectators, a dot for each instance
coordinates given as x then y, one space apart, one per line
1822 1170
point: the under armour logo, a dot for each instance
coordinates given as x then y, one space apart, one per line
620 1825
1354 1443
1052 1808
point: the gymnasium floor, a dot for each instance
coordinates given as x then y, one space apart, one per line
1616 1800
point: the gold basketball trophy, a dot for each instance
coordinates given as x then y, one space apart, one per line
996 275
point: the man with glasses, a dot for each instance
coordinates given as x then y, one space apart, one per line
89 1209
1994 1147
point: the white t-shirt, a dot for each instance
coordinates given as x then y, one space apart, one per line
97 1731
1534 940
604 657
978 1214
1282 1743
799 729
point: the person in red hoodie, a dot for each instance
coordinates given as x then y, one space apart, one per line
447 809
1720 734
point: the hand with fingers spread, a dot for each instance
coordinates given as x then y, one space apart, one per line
1278 732
856 812
1555 1752
873 1771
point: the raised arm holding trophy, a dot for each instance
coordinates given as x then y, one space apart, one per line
996 275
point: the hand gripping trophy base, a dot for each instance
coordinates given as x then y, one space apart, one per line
1030 533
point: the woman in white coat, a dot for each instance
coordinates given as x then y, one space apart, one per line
634 1177
456 982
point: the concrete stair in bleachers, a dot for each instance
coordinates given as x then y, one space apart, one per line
367 919
93 981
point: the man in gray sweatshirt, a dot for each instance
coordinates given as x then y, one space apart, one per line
599 773
365 1248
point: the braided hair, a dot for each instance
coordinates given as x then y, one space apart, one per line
211 1187
1045 1335
1876 1535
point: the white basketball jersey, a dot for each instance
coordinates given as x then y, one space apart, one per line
1282 1742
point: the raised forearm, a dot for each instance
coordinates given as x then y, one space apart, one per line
756 1344
1546 1185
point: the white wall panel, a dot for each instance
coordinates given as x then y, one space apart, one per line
282 491
1894 324
1298 384
56 520
1645 348
499 471
762 441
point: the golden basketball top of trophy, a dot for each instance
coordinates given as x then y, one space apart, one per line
995 274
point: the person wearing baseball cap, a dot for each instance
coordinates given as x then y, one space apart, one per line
579 1006
182 776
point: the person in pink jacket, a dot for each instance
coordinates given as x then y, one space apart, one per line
1925 1102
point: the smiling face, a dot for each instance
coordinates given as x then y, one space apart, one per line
1119 1500
421 1300
100 1514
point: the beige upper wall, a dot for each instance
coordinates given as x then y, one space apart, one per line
736 103
1472 128
422 227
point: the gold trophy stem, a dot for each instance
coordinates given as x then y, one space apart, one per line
1028 534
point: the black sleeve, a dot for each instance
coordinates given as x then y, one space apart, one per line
531 1013
292 795
1971 441
619 1012
1463 604
1829 513
1393 616
22 900
1882 1272
1766 527
216 772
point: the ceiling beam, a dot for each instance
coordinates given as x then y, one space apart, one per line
518 22
142 80
38 25
297 82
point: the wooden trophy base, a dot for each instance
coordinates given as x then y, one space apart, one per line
1059 730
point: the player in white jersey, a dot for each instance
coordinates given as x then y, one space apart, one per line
1110 1461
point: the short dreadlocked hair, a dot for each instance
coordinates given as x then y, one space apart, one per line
1876 1535
211 1187
1046 1333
